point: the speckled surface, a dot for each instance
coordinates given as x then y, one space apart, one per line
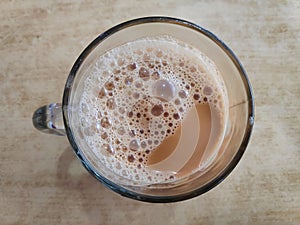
41 181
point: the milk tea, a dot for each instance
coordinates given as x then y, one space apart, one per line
153 110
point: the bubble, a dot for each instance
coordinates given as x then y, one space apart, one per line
128 80
112 64
157 110
143 144
138 84
104 74
109 85
144 74
107 149
124 173
159 53
131 133
120 61
110 103
122 110
135 95
104 135
117 141
84 108
151 65
105 122
183 94
118 166
146 57
124 148
155 75
176 116
88 132
84 122
131 66
121 130
96 127
164 89
207 90
196 96
177 101
149 49
116 72
134 145
130 114
130 158
193 69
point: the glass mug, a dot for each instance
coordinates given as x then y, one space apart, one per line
62 119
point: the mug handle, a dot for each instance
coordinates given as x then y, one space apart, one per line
49 119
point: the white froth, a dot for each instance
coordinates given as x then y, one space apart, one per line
137 95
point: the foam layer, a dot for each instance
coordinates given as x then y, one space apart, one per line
137 95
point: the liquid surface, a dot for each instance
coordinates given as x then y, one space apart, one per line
153 110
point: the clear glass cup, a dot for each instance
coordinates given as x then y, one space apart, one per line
62 119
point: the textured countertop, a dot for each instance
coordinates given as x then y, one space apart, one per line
41 181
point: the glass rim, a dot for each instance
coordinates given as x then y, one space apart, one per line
135 195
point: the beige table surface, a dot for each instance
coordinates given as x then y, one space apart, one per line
41 181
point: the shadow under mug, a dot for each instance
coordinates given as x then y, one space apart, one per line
57 118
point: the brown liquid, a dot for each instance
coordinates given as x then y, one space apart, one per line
204 113
163 157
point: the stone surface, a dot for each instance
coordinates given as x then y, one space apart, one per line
41 182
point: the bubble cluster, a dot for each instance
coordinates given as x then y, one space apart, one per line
137 95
